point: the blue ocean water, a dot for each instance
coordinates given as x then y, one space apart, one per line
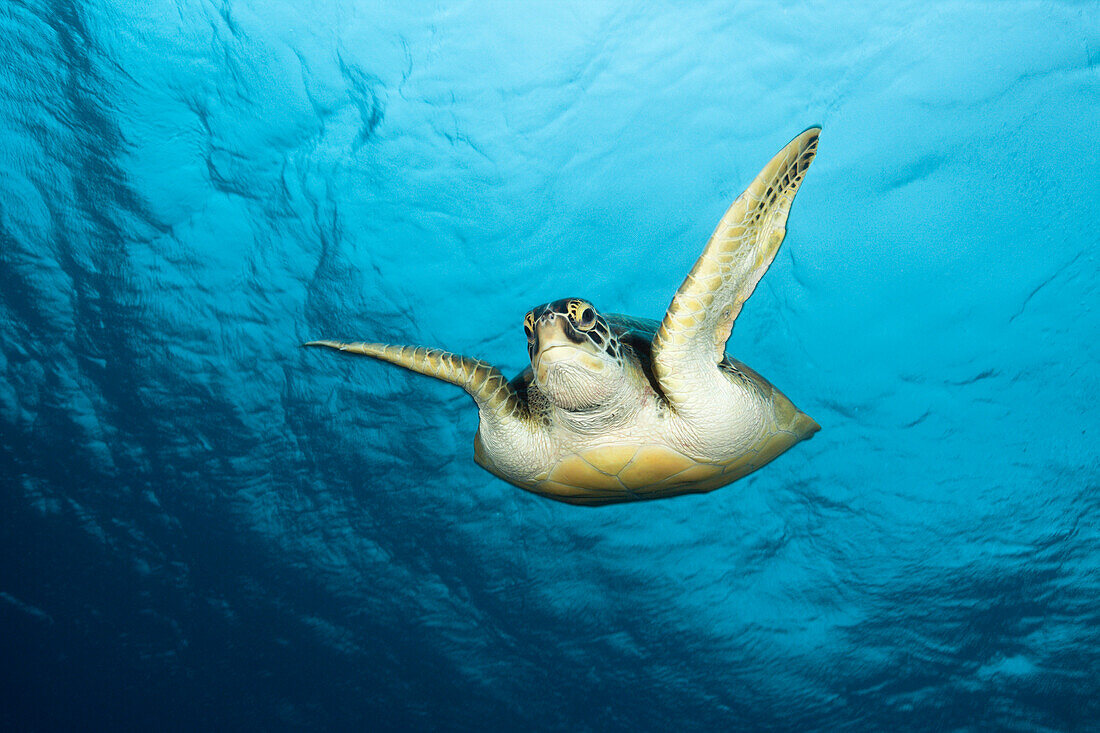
204 526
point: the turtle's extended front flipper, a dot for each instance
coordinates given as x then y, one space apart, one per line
482 380
692 338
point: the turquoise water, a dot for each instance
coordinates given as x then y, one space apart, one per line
203 526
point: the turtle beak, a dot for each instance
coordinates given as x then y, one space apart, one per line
550 330
556 348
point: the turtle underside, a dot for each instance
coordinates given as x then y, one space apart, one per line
616 472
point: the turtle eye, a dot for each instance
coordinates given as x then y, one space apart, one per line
529 327
587 319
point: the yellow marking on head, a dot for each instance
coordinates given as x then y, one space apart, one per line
529 326
581 313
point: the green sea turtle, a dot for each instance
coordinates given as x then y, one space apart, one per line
615 408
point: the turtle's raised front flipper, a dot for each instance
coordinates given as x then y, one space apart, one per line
692 337
482 380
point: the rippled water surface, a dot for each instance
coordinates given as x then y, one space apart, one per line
203 526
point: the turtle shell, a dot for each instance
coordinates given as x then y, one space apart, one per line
612 474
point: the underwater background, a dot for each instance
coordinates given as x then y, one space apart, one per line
204 526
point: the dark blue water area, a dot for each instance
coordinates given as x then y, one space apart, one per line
205 527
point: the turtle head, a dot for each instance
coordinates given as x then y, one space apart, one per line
577 361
